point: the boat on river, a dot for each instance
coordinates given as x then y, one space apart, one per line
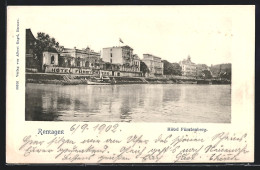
186 82
89 82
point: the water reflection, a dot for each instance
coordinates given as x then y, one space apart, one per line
129 103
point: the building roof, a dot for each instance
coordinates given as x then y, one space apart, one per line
51 50
29 35
84 51
136 57
187 61
144 57
126 46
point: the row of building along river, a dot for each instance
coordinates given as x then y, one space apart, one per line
58 86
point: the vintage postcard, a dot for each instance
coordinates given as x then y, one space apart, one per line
130 84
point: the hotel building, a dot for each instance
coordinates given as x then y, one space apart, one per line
188 67
154 64
123 57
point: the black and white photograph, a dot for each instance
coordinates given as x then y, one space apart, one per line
125 64
130 84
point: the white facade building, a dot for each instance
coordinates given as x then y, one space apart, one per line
154 64
129 63
188 67
49 59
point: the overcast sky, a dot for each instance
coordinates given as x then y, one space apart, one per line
170 32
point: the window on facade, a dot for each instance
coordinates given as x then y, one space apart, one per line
86 64
111 55
52 59
78 63
111 60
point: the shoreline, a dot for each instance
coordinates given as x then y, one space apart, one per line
71 79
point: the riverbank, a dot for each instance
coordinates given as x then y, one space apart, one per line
70 79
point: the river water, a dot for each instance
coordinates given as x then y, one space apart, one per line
176 103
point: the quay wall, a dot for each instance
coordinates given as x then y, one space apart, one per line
50 78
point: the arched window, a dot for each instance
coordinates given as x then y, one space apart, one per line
52 59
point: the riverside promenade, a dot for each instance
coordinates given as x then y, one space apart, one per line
73 79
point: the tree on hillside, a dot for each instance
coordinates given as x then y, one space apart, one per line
219 69
200 68
206 74
167 68
45 43
171 68
225 75
143 68
177 69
